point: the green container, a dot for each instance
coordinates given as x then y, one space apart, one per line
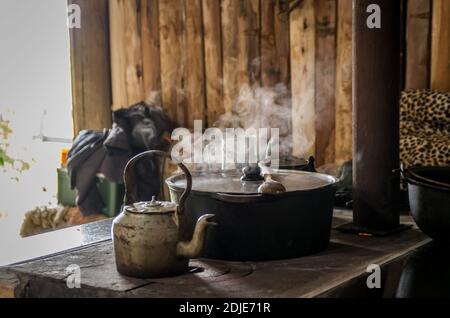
66 196
111 193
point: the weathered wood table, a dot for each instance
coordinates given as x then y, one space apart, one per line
347 258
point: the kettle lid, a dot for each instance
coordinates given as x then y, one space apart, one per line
153 206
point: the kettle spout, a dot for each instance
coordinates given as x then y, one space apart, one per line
194 248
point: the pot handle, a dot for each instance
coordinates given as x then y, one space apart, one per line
188 189
129 182
241 198
411 177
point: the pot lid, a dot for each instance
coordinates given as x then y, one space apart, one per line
231 183
152 206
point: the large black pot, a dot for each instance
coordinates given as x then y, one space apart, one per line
254 226
429 200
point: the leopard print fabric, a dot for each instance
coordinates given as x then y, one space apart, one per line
425 128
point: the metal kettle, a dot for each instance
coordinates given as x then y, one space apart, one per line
147 236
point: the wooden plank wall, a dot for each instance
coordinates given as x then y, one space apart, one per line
126 53
440 50
326 23
194 56
303 57
91 75
212 37
343 110
418 36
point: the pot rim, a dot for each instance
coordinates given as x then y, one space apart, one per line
410 177
244 197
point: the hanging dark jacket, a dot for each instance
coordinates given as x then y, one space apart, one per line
84 161
135 129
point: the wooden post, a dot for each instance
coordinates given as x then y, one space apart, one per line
90 61
376 78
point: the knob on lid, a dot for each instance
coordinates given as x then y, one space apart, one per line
152 206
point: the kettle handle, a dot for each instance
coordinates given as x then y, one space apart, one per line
127 178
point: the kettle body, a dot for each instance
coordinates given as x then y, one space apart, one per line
145 244
148 236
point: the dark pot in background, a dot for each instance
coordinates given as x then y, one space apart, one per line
429 200
288 162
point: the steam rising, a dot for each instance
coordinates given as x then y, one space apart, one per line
262 107
256 107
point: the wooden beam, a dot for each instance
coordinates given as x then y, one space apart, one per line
343 119
213 59
302 35
150 50
440 53
126 53
418 39
325 79
91 76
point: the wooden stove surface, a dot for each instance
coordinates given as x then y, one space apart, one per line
347 257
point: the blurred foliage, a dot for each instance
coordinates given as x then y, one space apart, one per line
5 159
